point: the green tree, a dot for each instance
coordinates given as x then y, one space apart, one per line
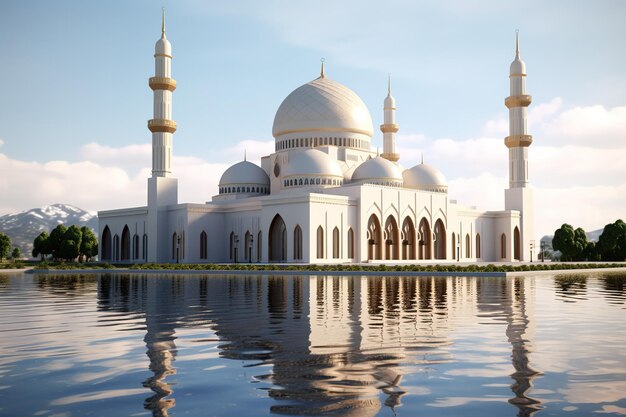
75 235
16 254
612 242
56 238
571 243
5 246
41 245
89 244
68 250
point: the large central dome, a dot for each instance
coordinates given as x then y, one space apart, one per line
322 107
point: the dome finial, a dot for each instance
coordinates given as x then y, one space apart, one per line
322 74
163 22
245 154
516 43
388 84
422 158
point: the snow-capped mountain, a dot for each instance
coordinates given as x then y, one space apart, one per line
24 227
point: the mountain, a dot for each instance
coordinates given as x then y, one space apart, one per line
24 227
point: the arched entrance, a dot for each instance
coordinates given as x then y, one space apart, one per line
408 239
374 237
392 239
277 244
516 244
125 252
425 239
106 244
440 240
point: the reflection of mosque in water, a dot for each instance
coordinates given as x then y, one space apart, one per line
337 345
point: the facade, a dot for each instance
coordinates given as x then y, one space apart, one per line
323 196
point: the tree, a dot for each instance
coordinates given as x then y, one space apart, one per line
55 239
68 250
41 245
16 254
5 246
571 243
612 242
89 244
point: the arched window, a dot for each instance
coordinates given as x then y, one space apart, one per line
468 248
145 247
350 243
503 246
516 244
477 249
231 250
320 243
203 245
116 248
336 243
259 247
247 249
175 246
106 244
297 243
453 245
135 246
125 253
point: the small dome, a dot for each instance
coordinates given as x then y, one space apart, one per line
517 66
244 177
390 102
163 47
378 171
312 162
322 106
425 177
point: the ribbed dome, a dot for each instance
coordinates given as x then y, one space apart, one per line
322 105
425 177
378 171
312 162
244 172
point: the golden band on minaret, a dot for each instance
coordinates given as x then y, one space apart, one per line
515 141
523 100
389 128
162 83
162 125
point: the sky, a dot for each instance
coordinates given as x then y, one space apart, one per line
75 97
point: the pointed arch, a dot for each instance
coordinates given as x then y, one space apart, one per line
144 247
503 246
106 244
468 246
320 242
453 246
440 240
136 246
277 244
175 252
231 246
297 243
408 239
350 243
247 249
125 252
392 238
116 248
516 244
477 249
374 238
203 245
425 239
336 243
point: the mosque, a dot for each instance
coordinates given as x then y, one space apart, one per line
324 195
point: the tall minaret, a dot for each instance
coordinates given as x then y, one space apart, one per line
389 128
519 195
162 187
162 126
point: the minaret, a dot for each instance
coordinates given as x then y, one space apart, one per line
162 187
519 195
389 128
518 140
162 126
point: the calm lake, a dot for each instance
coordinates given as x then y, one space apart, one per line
194 345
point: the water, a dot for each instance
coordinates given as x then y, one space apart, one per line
191 345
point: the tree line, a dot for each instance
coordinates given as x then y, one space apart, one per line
5 248
66 243
574 246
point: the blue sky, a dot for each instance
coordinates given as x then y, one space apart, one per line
75 97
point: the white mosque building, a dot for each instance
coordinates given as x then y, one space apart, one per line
323 196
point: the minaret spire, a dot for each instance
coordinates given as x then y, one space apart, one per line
163 23
389 127
517 43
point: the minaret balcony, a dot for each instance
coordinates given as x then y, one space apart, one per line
516 141
162 125
389 128
523 100
162 83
